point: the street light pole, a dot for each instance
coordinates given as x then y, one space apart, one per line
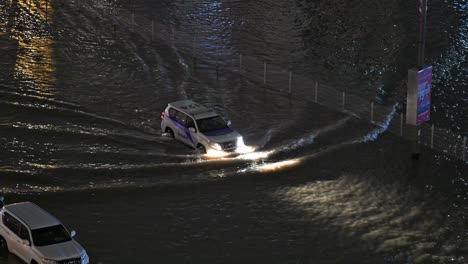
412 104
422 32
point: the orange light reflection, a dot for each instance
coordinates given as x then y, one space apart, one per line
35 58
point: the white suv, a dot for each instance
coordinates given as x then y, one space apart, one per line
200 128
37 237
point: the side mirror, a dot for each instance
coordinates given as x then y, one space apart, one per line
26 242
229 123
192 129
73 233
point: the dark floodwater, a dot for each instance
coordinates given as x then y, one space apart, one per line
81 92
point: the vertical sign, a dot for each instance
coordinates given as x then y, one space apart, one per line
424 95
418 104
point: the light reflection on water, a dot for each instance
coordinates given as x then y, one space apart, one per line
384 218
33 76
35 60
41 8
451 77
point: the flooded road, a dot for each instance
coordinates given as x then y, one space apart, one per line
83 83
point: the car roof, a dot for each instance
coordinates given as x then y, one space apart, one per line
193 109
32 215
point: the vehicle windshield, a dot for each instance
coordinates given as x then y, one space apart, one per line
211 124
50 235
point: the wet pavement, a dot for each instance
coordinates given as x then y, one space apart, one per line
82 89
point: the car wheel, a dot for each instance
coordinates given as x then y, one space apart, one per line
3 247
201 149
168 130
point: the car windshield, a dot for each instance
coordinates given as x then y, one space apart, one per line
211 124
50 235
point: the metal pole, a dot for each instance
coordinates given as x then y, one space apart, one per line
193 47
152 30
419 135
413 127
422 32
194 58
372 112
464 149
401 124
240 62
344 96
290 81
432 136
316 91
415 132
217 60
264 72
172 35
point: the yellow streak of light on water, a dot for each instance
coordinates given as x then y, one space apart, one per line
35 56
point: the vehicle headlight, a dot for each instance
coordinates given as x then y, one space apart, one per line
240 142
48 261
216 146
84 258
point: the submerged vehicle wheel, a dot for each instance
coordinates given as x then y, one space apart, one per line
201 149
171 133
3 247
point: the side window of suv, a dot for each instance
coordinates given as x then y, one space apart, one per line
172 113
181 117
190 122
12 224
24 233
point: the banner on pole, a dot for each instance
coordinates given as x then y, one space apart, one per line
424 95
418 100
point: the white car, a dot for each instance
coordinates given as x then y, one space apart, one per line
36 237
200 128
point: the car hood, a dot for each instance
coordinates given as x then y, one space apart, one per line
61 251
223 135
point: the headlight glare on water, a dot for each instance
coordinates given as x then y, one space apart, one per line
240 142
216 146
48 261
